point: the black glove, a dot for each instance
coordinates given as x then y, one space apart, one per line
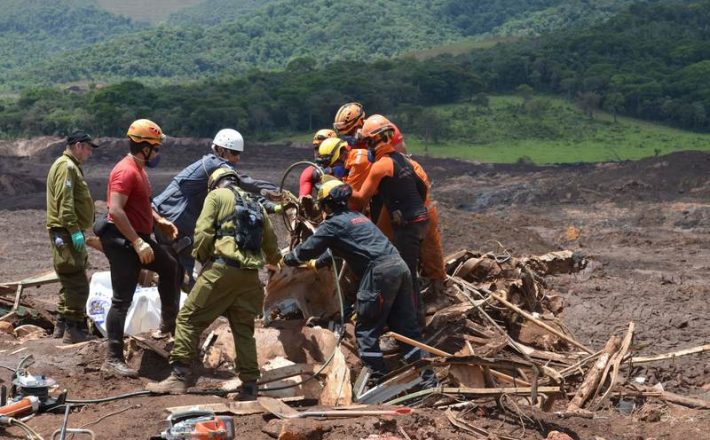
291 260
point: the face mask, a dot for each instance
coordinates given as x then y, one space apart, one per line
371 156
153 162
339 171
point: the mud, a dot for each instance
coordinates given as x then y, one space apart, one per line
644 225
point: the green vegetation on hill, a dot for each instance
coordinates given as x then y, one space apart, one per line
32 31
246 35
541 130
146 10
650 62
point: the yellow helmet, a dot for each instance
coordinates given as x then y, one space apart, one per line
322 135
145 130
220 174
348 118
329 151
327 192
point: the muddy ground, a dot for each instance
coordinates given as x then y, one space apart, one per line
645 225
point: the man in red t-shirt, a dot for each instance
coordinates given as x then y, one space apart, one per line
127 243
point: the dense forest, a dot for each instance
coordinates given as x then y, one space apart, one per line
651 61
221 36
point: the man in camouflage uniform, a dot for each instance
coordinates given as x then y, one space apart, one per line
233 239
70 211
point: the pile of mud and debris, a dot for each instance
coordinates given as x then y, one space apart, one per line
506 366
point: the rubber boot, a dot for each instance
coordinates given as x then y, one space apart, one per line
59 328
247 391
114 363
176 383
75 333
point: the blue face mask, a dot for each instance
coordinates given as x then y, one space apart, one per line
371 156
153 162
339 171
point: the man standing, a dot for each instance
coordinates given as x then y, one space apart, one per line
127 244
70 211
182 199
233 237
385 296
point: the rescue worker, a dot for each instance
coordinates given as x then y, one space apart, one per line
182 199
126 240
348 120
431 257
393 179
384 296
310 177
70 211
233 238
344 162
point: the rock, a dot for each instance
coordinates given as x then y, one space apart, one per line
301 429
6 327
556 435
706 387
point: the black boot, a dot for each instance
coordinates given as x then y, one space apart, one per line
247 391
75 333
59 328
114 363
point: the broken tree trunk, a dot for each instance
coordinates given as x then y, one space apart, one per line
615 365
589 385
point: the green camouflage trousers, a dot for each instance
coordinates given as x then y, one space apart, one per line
222 290
70 265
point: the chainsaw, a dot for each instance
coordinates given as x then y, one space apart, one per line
197 424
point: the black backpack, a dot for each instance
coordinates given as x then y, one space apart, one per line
248 220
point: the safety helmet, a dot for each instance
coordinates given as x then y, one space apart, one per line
376 130
349 117
335 192
229 139
329 151
322 135
220 174
145 130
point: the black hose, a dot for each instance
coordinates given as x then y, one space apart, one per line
108 399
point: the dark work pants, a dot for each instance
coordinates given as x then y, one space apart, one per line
384 298
125 268
408 241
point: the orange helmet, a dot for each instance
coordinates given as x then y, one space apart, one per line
349 118
145 130
322 135
376 130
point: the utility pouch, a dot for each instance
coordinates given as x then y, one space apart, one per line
369 305
100 225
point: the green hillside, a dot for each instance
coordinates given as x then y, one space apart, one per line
32 31
146 11
550 131
327 30
214 12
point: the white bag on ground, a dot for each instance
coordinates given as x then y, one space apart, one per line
143 314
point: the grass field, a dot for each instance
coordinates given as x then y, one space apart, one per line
559 133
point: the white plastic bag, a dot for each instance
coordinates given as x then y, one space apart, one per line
143 314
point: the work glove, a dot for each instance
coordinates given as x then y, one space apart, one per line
144 251
291 260
167 228
95 243
78 241
278 208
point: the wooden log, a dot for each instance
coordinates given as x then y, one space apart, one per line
673 355
616 364
537 322
413 343
685 401
593 375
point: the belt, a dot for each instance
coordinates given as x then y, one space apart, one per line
227 262
58 229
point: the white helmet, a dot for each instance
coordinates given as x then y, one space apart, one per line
230 139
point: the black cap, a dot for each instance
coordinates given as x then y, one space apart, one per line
80 136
